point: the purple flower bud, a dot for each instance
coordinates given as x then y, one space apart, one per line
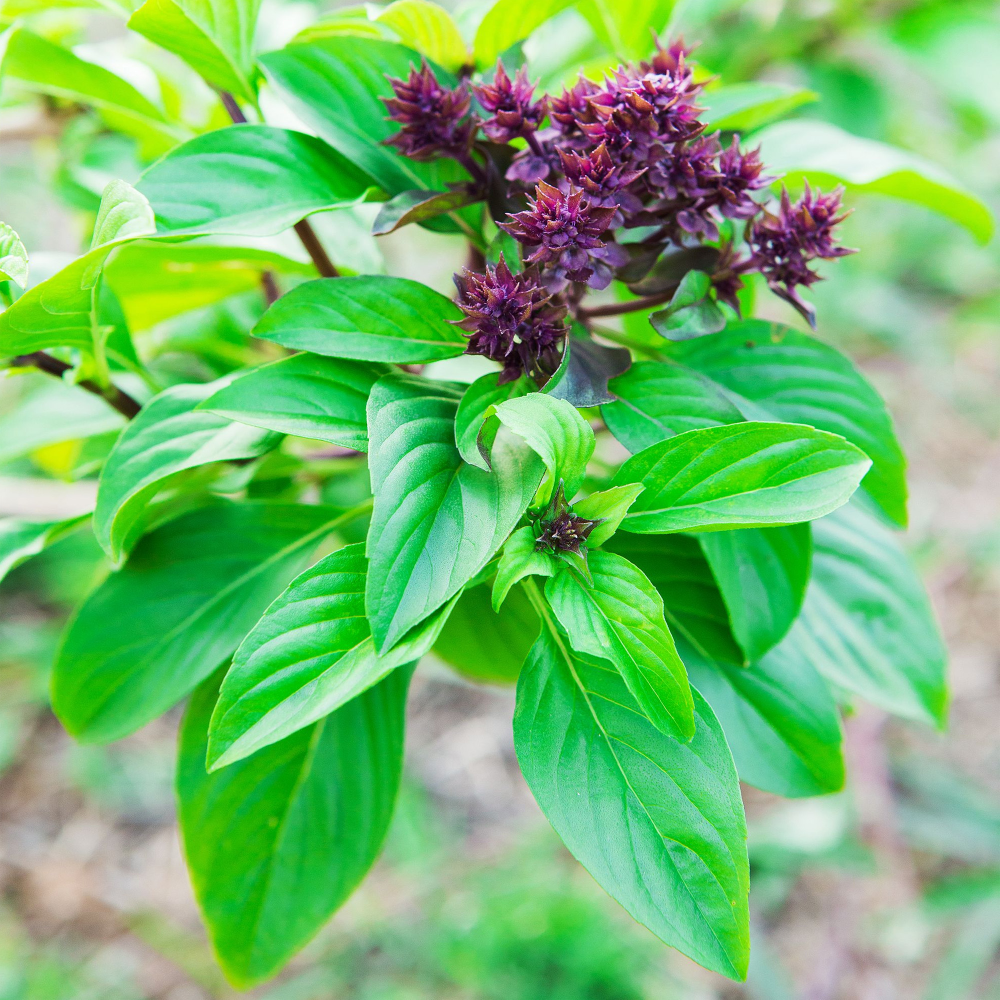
572 107
685 171
605 183
566 532
739 174
512 319
513 112
435 120
672 61
565 230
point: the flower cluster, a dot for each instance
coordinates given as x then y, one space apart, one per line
568 176
559 530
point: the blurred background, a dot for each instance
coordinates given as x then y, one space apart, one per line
888 890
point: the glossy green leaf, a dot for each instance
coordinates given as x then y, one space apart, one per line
508 22
276 843
408 207
484 645
867 623
214 37
437 520
762 574
484 393
741 475
658 823
306 395
619 616
627 26
168 436
20 539
13 257
124 214
609 507
518 560
368 318
310 653
827 155
249 179
429 29
743 107
657 399
190 592
772 372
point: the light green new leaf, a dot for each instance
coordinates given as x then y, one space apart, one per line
762 574
276 843
867 624
627 26
826 155
743 107
740 476
772 372
306 395
13 257
556 432
520 559
250 180
190 592
657 399
368 318
619 616
124 214
429 29
437 520
214 37
609 507
168 436
658 823
20 540
477 400
510 21
310 653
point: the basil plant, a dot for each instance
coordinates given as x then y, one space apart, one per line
587 470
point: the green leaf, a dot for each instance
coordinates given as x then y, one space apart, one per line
556 432
520 559
508 22
484 645
477 400
762 574
826 155
658 823
306 395
47 68
619 616
124 214
658 399
168 436
191 591
609 507
583 376
740 476
214 37
20 540
437 520
867 623
276 843
691 312
419 206
13 257
309 654
369 318
742 107
627 26
249 179
772 372
429 29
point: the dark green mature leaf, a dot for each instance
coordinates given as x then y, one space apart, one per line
587 367
476 402
20 539
762 574
775 373
508 22
741 475
484 645
619 616
867 623
743 107
249 179
437 520
306 395
191 591
13 257
658 399
310 653
168 436
369 318
658 823
277 842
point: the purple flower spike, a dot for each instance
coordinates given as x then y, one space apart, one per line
686 171
740 174
605 183
565 230
573 106
514 114
512 319
435 120
566 532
